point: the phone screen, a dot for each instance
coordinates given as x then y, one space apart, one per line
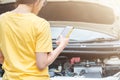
66 32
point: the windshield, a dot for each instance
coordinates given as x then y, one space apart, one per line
80 34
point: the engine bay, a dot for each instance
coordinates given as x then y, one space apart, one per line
85 68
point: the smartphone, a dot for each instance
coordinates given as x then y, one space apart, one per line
66 32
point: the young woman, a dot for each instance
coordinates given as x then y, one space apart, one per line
26 44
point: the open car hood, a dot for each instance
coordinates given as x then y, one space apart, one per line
81 14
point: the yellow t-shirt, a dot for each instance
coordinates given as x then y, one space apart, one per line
21 35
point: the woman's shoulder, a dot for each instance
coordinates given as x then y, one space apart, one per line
39 20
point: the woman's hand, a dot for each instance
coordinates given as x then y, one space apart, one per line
62 41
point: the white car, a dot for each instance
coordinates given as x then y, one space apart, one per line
93 52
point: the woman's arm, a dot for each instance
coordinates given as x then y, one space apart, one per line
43 59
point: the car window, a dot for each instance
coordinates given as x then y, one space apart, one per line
79 34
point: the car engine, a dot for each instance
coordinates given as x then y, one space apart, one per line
94 68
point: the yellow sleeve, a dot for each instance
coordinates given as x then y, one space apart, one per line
44 39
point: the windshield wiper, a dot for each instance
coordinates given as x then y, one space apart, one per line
91 41
95 40
102 39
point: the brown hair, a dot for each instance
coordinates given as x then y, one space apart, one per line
25 1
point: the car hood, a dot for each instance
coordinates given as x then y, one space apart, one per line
82 14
